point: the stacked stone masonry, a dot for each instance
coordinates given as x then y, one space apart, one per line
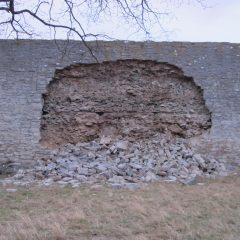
30 68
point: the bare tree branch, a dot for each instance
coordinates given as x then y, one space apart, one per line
138 12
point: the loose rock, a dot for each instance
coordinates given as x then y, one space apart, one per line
120 162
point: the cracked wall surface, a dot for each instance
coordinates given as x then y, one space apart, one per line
130 98
27 67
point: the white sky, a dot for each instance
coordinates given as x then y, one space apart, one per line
221 22
216 21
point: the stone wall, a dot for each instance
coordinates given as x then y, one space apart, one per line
27 67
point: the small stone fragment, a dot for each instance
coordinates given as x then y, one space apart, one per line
113 149
150 177
121 145
199 160
161 173
11 190
105 140
117 180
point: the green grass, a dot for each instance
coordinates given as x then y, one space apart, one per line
158 211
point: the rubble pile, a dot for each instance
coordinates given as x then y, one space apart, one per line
121 163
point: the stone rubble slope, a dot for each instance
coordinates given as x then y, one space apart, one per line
120 163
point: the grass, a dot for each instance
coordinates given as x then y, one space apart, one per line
158 211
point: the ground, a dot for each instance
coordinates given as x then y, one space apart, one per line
158 211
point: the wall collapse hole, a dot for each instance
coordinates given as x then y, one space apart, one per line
130 98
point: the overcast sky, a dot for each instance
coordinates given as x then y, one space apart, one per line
214 20
217 20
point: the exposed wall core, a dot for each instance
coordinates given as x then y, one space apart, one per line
131 98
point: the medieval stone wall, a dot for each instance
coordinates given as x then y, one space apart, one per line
27 68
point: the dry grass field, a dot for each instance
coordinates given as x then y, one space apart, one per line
158 211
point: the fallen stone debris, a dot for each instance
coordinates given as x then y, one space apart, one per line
120 163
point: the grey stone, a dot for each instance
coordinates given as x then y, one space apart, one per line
81 178
117 171
11 190
113 149
190 181
92 171
63 183
91 155
57 178
83 171
72 157
150 177
101 168
122 166
199 160
106 140
48 182
173 178
94 165
107 174
161 173
19 176
121 145
75 185
73 181
117 180
22 183
66 179
136 166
